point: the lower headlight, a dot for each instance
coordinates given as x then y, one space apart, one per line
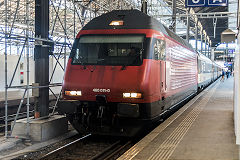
132 95
73 93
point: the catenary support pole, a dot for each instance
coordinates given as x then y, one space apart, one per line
202 41
74 20
6 85
28 69
41 55
226 56
196 36
65 30
188 26
205 52
209 55
212 53
144 6
174 9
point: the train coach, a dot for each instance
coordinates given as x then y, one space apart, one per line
125 70
208 71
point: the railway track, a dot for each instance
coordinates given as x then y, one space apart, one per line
55 153
90 147
12 110
113 151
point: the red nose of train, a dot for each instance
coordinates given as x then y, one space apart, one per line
117 83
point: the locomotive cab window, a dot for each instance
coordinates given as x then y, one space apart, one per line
159 50
108 50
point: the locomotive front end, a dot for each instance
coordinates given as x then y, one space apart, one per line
115 78
103 86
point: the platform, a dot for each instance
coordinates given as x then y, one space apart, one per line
203 129
15 96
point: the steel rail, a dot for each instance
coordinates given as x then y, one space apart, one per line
112 151
106 150
64 147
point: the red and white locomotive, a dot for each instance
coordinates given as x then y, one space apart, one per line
125 70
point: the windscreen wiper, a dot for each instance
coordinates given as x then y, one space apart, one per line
82 63
123 67
100 60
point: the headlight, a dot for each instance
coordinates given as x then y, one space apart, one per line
73 93
132 95
116 23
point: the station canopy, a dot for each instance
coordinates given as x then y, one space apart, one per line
207 16
67 17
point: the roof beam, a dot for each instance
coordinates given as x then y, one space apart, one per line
204 15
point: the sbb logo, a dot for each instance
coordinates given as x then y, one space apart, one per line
101 90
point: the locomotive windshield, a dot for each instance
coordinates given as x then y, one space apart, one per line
108 50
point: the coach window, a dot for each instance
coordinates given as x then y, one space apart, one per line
156 51
199 66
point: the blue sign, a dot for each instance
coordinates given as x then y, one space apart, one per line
217 3
231 51
205 3
195 3
226 64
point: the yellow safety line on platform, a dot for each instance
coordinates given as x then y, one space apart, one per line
165 150
131 153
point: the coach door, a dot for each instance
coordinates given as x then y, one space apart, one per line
160 54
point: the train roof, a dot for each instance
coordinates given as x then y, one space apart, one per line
133 19
204 58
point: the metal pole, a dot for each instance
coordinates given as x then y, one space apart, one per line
74 20
6 86
144 6
95 11
205 45
214 27
212 54
27 47
209 55
90 12
201 41
174 8
65 30
188 26
196 37
41 55
226 56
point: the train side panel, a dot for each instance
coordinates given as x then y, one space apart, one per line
181 73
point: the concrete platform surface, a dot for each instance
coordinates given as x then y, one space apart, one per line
203 129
